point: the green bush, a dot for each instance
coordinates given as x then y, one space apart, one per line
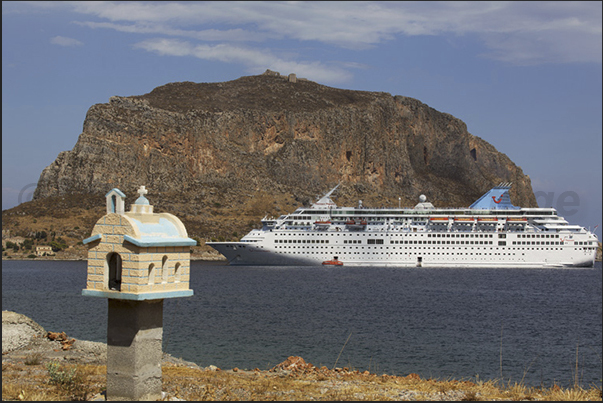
58 245
60 377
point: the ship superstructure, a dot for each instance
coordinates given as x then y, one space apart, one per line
489 233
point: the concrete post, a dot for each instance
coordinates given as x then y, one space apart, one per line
134 351
124 249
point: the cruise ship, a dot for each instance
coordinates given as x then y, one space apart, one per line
492 232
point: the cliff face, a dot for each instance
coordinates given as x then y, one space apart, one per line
265 134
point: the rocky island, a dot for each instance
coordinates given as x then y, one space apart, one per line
223 155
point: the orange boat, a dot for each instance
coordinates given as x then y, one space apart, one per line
438 219
322 224
334 262
464 219
353 224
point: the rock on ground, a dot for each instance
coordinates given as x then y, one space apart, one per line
23 337
18 331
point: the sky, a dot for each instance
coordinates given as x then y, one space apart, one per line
524 76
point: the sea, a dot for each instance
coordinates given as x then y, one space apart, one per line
538 327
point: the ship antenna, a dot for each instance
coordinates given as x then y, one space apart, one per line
332 190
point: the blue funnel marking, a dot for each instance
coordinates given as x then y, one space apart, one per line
496 198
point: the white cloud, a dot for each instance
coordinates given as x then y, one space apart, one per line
231 35
64 41
256 60
512 32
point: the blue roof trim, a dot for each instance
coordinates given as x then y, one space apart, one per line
92 238
496 198
119 192
164 227
151 241
137 297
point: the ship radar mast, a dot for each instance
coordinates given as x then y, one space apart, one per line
325 201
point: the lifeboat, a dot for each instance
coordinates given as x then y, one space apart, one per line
517 219
334 262
464 219
322 224
487 219
353 224
436 219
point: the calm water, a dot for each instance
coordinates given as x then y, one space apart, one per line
435 322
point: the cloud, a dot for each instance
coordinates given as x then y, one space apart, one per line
511 32
64 41
230 35
256 60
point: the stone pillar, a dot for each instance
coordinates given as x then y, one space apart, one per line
134 351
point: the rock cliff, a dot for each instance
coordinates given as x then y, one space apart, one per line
263 135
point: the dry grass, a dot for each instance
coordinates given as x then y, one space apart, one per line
189 384
195 384
33 382
302 382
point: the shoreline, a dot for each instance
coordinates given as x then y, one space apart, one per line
64 259
203 259
28 349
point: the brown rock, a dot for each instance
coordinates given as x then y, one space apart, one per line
294 364
258 133
57 336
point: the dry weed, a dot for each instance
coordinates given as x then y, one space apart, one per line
31 382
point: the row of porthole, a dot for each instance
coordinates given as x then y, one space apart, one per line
367 255
424 249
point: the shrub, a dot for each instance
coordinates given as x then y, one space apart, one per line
28 244
58 245
58 376
33 359
72 384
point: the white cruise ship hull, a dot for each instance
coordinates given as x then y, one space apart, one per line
490 233
395 255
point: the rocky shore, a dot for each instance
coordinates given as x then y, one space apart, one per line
27 350
22 338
